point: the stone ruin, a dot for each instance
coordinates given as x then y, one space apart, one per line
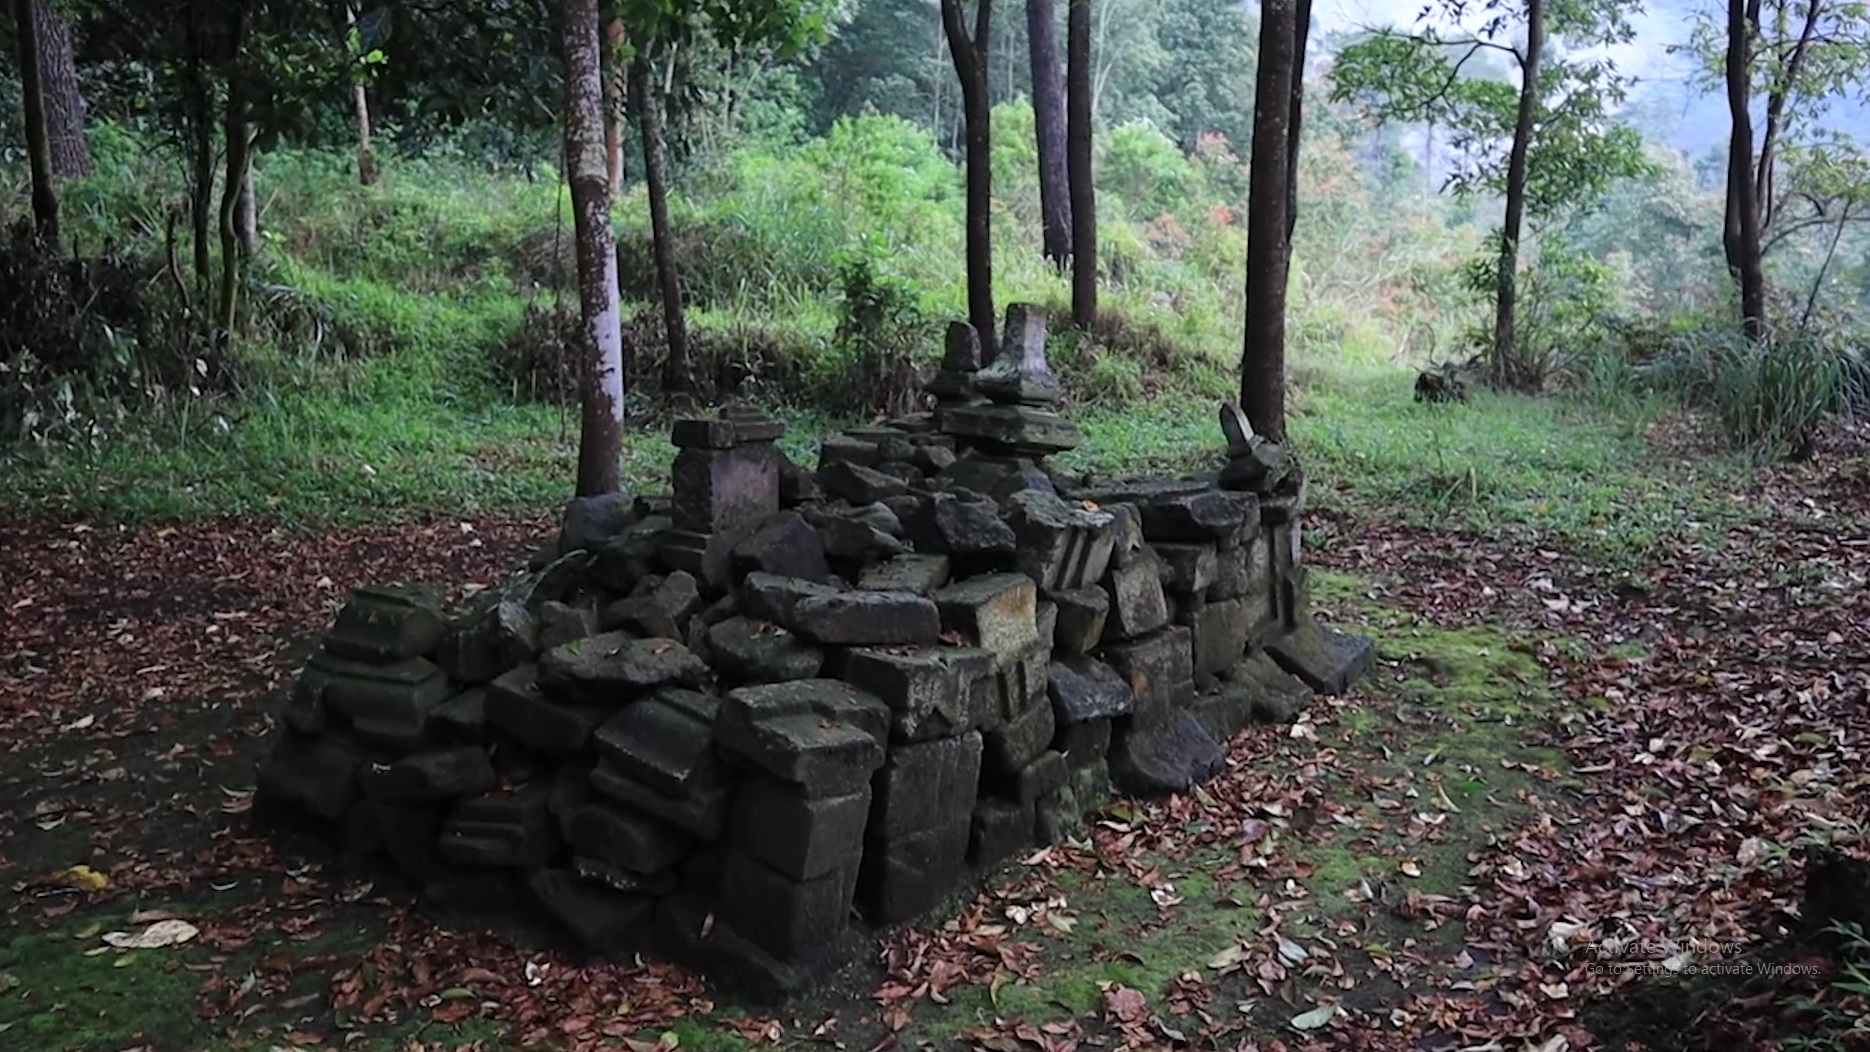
735 726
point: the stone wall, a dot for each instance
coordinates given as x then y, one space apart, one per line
737 725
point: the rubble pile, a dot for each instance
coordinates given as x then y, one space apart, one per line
735 725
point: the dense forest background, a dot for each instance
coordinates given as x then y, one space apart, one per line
419 301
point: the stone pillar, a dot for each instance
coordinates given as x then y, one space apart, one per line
726 483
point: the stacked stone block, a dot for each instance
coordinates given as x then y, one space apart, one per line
742 723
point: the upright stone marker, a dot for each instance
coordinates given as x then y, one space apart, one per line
726 481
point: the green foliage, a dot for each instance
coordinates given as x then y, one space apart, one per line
882 333
1565 300
1768 397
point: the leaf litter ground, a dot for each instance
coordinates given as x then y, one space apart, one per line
1546 757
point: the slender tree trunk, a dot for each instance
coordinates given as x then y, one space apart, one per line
600 440
970 62
360 104
1824 268
38 148
64 103
1765 198
200 122
1263 359
238 141
614 116
1741 229
1049 120
675 367
248 216
1078 134
1506 291
1302 33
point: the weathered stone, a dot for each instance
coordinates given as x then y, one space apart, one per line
1169 755
797 484
1083 743
846 449
1018 373
1273 695
701 432
631 555
401 693
613 668
410 833
603 921
747 651
500 830
516 705
688 930
700 810
786 546
1045 774
1019 683
1220 631
921 574
1203 516
787 918
1328 661
750 424
823 735
1059 816
950 525
1000 830
499 635
777 599
666 741
858 484
1137 605
867 618
962 349
1061 546
925 785
857 541
1237 429
429 777
1045 619
996 612
626 839
934 460
800 837
995 477
1259 470
1159 669
1187 568
562 623
1129 545
903 877
1232 578
726 491
1081 616
1084 689
1020 740
624 881
926 689
590 522
386 624
318 776
1018 430
304 711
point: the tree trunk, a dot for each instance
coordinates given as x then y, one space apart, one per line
248 217
613 104
1506 282
239 142
360 104
1083 184
600 440
1741 227
1765 197
1302 32
64 103
38 149
1263 360
675 367
970 63
1048 110
200 123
